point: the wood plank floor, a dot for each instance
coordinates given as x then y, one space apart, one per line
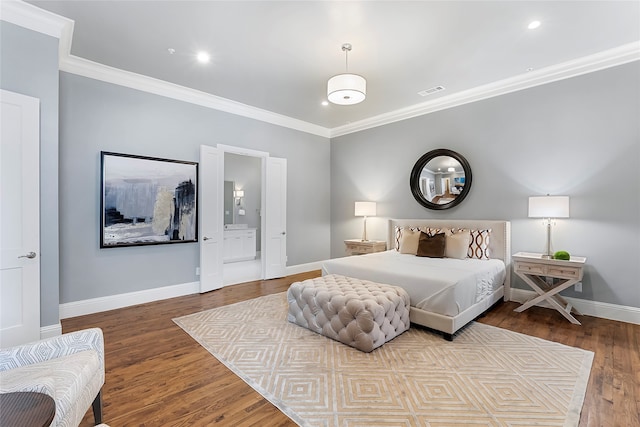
157 375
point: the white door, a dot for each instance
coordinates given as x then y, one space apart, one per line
276 218
211 207
19 219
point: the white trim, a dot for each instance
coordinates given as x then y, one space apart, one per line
50 331
242 151
33 18
37 19
609 58
83 67
603 310
303 268
112 302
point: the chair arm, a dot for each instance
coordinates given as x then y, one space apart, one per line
51 348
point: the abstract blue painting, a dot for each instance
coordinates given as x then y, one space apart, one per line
147 200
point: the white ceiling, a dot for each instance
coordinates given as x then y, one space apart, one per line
278 55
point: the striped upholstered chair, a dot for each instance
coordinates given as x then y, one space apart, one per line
69 368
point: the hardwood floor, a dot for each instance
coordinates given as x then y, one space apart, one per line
157 375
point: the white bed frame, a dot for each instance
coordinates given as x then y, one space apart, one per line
499 247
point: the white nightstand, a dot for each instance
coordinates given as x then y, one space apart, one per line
534 269
358 247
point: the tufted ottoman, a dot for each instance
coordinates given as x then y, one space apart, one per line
359 313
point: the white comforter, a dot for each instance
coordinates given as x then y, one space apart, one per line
441 285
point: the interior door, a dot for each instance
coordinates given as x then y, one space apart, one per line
276 218
19 219
211 210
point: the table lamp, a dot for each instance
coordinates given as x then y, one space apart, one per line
365 209
549 208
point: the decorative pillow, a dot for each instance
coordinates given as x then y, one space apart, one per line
409 241
399 232
479 246
431 246
430 231
457 244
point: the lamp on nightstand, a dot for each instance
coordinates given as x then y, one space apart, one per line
365 209
549 208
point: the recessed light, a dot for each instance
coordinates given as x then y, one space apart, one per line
171 51
203 57
533 25
325 103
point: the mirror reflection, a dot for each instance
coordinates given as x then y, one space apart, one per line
440 179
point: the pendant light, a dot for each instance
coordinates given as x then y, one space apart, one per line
346 89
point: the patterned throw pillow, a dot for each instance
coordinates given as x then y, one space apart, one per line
479 246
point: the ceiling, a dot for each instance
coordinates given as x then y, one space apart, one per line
278 55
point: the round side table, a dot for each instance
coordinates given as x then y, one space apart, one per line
26 409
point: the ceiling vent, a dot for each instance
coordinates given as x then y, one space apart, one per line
431 91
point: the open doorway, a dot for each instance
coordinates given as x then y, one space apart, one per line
242 245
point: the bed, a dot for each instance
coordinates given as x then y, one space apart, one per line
445 293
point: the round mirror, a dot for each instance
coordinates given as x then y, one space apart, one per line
440 179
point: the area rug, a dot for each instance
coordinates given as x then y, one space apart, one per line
487 376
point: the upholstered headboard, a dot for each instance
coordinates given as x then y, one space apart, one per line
499 243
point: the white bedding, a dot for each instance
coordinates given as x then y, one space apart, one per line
441 285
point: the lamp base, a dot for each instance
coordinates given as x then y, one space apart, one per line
547 256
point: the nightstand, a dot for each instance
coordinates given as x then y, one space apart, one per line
534 269
358 247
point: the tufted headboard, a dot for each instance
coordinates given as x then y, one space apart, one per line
499 243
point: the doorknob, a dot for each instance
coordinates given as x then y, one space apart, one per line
283 233
206 238
30 255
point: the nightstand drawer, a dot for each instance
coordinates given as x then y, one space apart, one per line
365 249
566 272
530 267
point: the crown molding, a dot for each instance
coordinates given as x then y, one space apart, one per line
609 58
83 67
33 18
36 19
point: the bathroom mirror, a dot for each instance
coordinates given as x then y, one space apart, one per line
228 202
440 179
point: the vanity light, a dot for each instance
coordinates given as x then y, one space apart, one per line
549 208
238 195
365 209
451 169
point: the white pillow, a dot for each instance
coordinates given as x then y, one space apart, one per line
457 245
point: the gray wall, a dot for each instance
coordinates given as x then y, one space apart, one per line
29 66
97 116
564 138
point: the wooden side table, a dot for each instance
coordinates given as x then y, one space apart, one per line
534 269
26 409
359 247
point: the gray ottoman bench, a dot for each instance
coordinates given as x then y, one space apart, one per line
358 313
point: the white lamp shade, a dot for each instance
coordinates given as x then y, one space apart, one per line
549 207
365 209
346 89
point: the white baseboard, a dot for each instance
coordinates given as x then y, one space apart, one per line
303 268
112 302
50 331
588 308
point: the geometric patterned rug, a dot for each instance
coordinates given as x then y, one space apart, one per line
486 377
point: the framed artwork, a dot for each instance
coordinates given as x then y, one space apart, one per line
147 201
